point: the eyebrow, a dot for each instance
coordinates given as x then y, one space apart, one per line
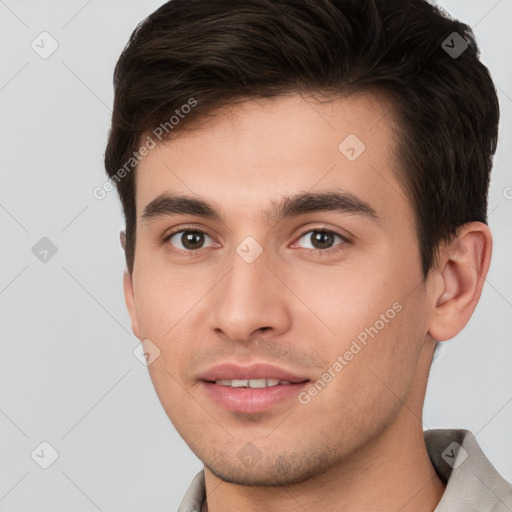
166 205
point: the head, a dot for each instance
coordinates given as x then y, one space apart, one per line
247 124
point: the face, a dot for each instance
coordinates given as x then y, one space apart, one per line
299 266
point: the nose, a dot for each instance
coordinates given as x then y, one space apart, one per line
250 301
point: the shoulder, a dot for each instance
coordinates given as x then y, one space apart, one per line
472 482
195 495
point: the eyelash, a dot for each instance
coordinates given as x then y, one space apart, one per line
312 252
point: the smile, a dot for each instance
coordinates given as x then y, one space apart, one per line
252 383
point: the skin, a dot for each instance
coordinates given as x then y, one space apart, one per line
358 444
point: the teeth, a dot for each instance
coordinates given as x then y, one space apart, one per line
251 383
258 383
239 383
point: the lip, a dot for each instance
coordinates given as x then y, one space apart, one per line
250 400
230 371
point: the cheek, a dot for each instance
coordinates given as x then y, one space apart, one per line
376 325
387 362
367 381
345 299
163 298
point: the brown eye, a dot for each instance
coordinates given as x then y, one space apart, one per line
188 240
320 239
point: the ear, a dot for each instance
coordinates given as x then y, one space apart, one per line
129 297
458 279
130 303
122 239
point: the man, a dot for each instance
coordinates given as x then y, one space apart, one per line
305 184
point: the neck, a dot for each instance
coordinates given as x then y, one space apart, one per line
391 471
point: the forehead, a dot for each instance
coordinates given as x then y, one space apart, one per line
249 155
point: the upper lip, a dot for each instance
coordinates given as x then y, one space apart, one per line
231 371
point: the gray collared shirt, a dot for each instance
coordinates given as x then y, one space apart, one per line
472 483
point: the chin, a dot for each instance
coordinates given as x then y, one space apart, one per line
281 471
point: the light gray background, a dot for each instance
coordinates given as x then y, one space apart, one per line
68 373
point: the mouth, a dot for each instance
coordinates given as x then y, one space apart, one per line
251 389
254 383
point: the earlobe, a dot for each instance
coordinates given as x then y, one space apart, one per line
129 298
460 275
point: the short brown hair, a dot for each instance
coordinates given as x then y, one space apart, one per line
219 51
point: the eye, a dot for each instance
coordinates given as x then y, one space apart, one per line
189 240
321 240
